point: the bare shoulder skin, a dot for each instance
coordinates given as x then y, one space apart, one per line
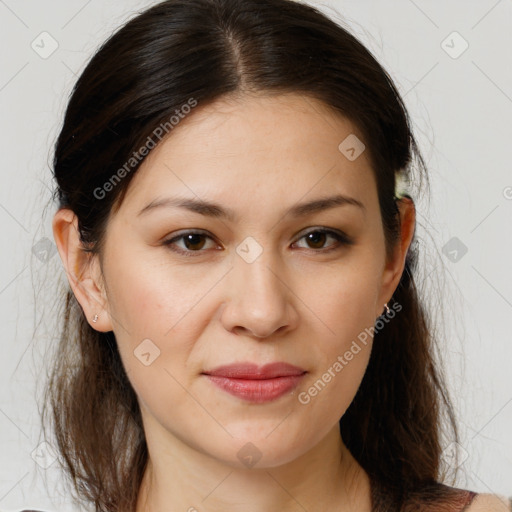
490 503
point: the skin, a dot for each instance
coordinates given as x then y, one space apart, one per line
259 156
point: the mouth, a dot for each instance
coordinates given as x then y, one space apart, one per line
256 384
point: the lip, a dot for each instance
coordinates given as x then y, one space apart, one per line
255 372
257 384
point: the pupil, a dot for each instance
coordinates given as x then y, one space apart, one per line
314 237
192 240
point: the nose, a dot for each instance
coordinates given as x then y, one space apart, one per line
259 302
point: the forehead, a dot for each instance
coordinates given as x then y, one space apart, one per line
283 119
287 143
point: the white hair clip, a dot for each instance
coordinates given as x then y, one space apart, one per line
401 184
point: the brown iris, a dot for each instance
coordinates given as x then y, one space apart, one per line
191 241
316 237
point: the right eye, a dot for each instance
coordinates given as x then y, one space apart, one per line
193 242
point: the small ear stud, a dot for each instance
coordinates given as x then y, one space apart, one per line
95 319
387 307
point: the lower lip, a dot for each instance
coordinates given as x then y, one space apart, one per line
257 390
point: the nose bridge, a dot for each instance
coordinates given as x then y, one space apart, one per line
256 268
259 300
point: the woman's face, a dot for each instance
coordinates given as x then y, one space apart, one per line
252 286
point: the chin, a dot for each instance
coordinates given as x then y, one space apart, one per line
251 450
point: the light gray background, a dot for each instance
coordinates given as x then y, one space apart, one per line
461 110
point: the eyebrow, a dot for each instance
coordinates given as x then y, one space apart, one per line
215 210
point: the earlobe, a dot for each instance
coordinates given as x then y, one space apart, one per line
82 270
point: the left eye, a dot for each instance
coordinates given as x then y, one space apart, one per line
319 236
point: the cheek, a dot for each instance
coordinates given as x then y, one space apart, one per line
347 300
343 360
149 294
345 303
158 314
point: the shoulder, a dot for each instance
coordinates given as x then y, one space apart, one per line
439 497
489 503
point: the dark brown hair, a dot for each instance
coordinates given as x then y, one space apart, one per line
206 50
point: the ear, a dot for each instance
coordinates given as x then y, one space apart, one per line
394 268
82 269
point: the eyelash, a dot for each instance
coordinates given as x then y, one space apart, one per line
341 238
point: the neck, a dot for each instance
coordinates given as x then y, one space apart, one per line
327 478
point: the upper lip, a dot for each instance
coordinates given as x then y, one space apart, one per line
253 371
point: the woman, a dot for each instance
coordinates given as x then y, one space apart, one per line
242 328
